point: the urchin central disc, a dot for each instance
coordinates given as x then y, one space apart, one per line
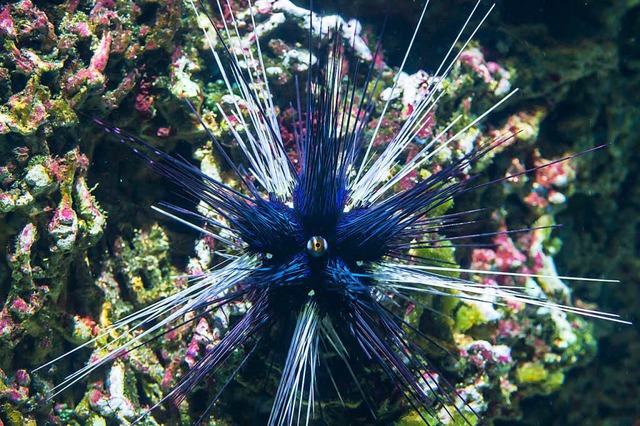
317 246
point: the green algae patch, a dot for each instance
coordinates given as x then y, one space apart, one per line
414 419
147 265
531 372
468 316
457 419
554 382
13 417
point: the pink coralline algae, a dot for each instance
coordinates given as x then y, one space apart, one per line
16 390
37 49
65 225
34 22
548 184
114 402
92 76
481 352
6 23
26 111
145 101
26 240
30 41
201 335
508 256
490 72
61 216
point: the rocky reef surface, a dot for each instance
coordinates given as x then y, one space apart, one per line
81 247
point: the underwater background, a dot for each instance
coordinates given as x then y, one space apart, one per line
80 246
